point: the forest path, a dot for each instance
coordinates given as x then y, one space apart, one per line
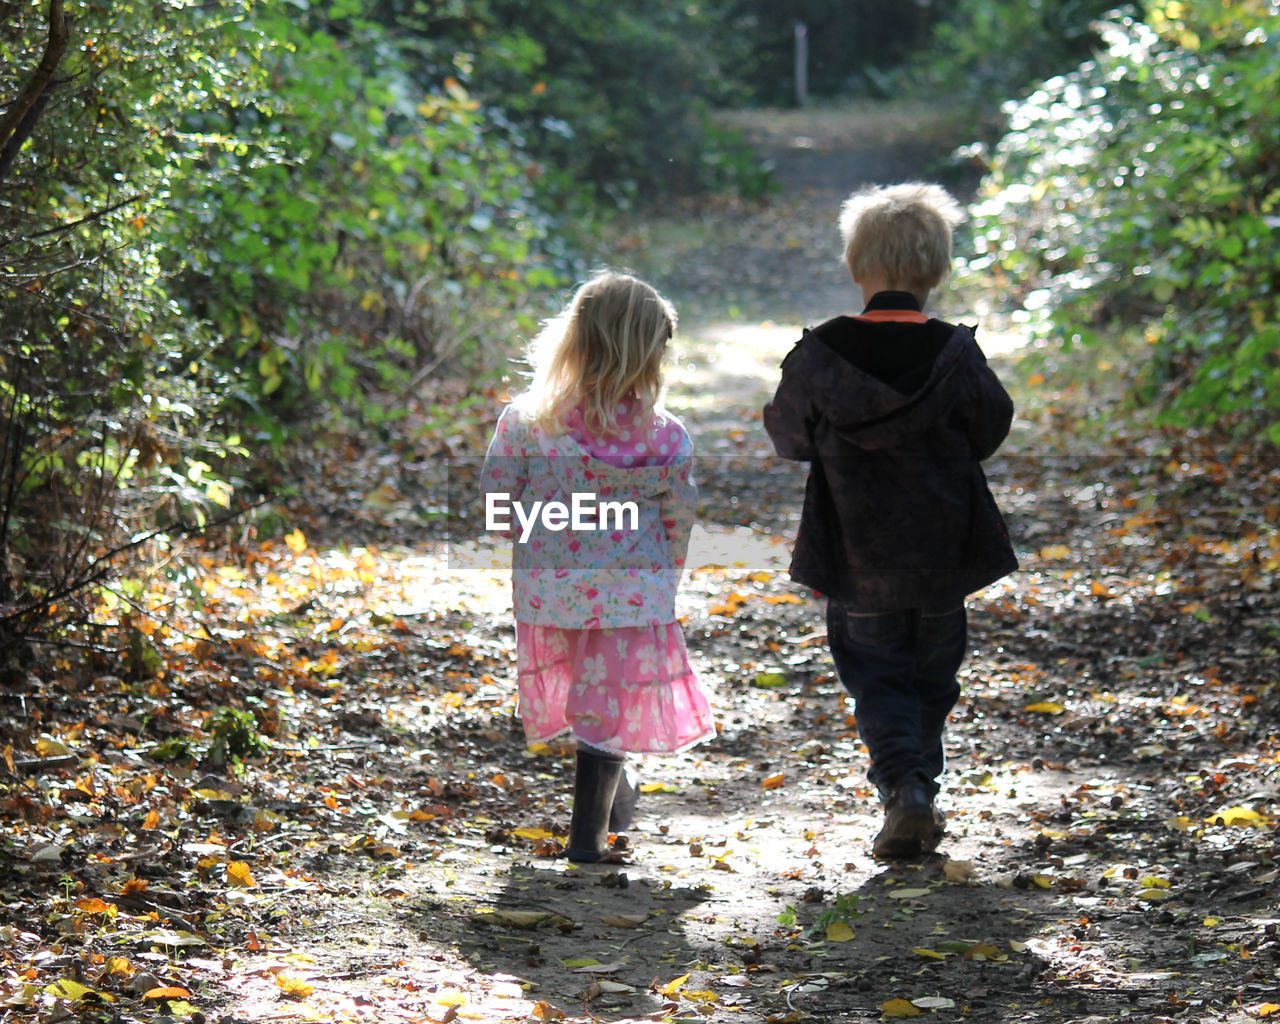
1101 727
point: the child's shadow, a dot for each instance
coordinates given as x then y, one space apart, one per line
603 934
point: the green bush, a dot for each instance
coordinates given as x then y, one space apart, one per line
1144 188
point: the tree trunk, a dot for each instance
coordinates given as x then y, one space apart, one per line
20 119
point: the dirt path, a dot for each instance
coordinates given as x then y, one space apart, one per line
1077 882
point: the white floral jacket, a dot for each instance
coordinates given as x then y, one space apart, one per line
590 578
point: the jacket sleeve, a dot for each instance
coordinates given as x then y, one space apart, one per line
990 410
790 418
679 506
506 464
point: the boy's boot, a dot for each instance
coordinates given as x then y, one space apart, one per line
913 826
625 798
594 786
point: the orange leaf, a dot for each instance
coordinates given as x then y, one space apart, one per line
152 820
239 875
166 992
92 905
774 781
545 1011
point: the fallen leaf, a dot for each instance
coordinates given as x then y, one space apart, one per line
294 988
545 1011
625 920
1055 553
1046 707
1242 816
908 894
673 986
934 1003
774 781
839 931
66 988
958 870
533 833
166 992
239 875
932 954
899 1008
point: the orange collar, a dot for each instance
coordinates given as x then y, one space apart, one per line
900 316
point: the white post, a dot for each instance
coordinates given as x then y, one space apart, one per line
802 64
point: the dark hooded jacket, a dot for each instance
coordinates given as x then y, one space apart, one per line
895 418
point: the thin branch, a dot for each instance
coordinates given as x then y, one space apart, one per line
59 228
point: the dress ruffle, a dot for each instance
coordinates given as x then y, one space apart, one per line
625 690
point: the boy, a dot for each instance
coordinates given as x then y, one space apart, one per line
895 411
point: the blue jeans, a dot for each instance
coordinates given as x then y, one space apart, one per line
900 668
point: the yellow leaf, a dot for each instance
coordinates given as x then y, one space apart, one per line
451 997
899 1008
1154 895
239 876
908 894
782 599
533 833
1237 816
1055 552
1182 823
1155 882
839 931
68 989
1263 1009
1212 922
983 951
297 541
47 746
658 787
1046 707
674 986
932 954
1035 380
294 988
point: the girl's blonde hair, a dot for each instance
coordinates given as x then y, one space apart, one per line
900 231
606 345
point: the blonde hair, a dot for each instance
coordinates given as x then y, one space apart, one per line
900 231
605 346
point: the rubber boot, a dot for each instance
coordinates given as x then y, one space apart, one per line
594 785
625 798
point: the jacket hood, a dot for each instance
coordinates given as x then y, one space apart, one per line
871 414
577 470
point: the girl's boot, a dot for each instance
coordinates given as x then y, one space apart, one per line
625 799
594 786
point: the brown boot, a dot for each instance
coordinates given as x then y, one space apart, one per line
913 826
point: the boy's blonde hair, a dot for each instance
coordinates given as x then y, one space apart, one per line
902 232
606 345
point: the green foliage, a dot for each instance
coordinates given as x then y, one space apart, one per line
844 910
234 734
609 98
1145 188
982 51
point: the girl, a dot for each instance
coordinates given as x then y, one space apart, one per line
600 655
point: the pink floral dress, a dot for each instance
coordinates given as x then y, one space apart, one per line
600 655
